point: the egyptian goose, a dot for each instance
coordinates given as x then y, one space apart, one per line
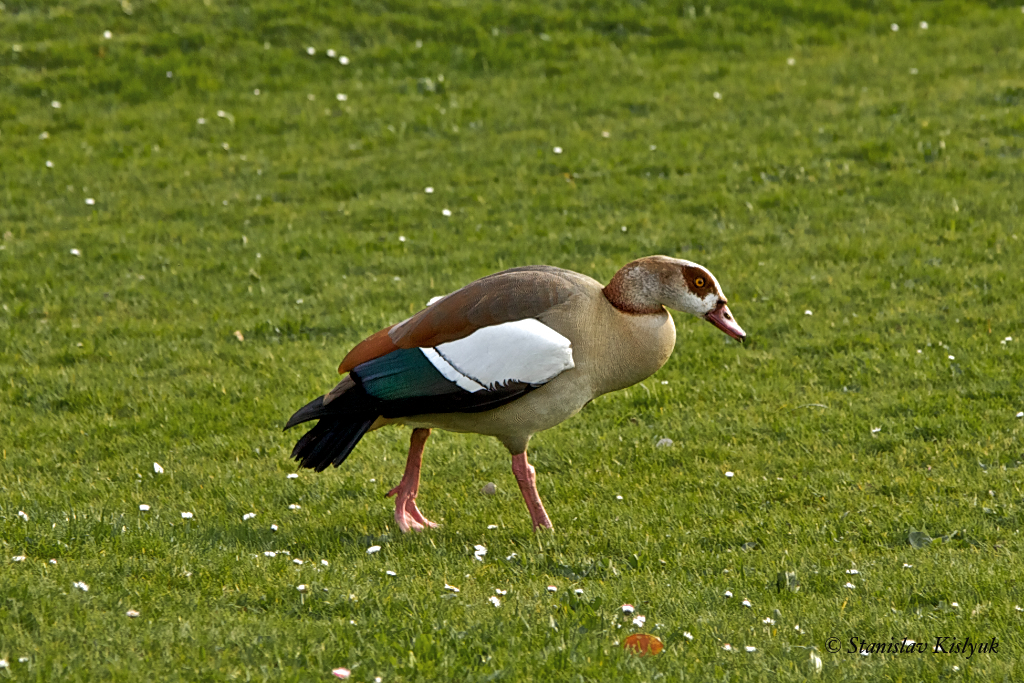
508 356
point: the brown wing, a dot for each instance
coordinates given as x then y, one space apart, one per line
510 295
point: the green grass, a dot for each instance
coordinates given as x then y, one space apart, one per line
887 203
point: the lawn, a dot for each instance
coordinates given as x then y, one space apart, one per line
201 212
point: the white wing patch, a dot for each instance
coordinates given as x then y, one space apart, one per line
522 351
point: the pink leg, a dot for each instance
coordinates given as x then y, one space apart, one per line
407 515
527 478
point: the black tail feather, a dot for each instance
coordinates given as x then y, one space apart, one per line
342 423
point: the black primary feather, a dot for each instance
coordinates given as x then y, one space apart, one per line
342 423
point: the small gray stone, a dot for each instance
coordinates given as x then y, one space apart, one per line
664 443
489 489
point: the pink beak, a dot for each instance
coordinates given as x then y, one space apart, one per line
722 318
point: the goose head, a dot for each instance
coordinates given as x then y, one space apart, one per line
653 282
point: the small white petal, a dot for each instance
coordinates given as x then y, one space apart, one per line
556 150
53 561
21 513
270 553
907 566
498 591
717 95
75 252
301 588
768 620
108 35
332 54
341 672
750 648
297 561
373 549
81 585
727 647
552 589
480 550
624 228
341 97
628 609
325 563
578 591
494 601
292 475
923 25
90 201
747 603
294 506
157 468
894 27
639 620
18 558
853 571
875 430
791 61
1020 414
201 121
49 164
446 212
730 475
952 357
428 190
618 497
391 573
310 51
55 104
453 589
343 60
247 516
728 594
808 312
401 238
848 585
687 635
256 91
954 604
186 515
44 135
273 527
132 613
606 134
143 508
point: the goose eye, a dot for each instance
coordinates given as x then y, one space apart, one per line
699 282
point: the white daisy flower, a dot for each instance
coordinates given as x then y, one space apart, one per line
494 601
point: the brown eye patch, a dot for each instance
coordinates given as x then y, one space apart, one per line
698 280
